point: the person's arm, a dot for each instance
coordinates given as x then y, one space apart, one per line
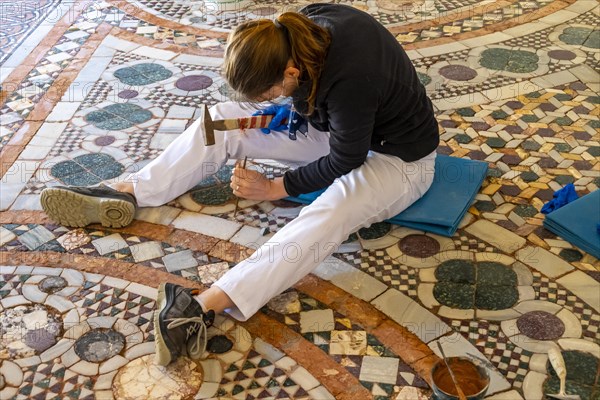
351 108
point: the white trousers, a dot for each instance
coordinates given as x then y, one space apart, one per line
377 190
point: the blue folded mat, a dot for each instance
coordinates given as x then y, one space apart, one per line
577 222
440 210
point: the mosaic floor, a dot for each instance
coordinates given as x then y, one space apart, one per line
93 90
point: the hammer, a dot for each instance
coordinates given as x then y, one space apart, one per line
257 121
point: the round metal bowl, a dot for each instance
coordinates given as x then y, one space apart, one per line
481 377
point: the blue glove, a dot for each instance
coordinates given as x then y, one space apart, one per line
280 113
561 197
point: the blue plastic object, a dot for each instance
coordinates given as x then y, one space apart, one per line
440 210
577 223
561 198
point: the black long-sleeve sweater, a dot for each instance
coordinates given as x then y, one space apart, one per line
369 98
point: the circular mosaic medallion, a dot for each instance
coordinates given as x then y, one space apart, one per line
142 74
419 246
541 325
581 36
99 345
464 285
118 116
193 82
87 169
519 61
458 72
28 330
53 284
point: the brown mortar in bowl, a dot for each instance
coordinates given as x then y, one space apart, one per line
467 377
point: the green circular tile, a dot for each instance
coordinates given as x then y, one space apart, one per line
214 196
457 271
118 116
375 231
575 36
519 61
65 168
495 297
454 295
87 169
491 273
142 74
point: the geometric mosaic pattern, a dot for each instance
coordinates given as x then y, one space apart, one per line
513 84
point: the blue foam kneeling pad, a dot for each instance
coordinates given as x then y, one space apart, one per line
577 223
455 185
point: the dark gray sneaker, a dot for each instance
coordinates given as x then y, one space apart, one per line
180 325
80 206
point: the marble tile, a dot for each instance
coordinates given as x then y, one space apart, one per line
510 395
583 345
379 369
35 237
109 244
250 236
348 343
302 377
543 261
146 251
571 322
411 315
532 385
537 305
316 321
181 260
156 53
163 215
268 351
207 225
497 236
142 290
320 393
6 236
350 279
584 286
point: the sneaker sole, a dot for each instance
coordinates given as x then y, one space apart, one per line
73 209
162 353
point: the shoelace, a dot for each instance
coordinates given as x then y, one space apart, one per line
200 337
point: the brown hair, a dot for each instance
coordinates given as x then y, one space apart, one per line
257 53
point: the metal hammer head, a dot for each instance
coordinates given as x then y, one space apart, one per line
209 130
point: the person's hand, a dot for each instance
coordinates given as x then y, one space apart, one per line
280 113
252 185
